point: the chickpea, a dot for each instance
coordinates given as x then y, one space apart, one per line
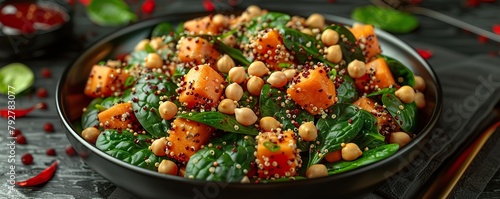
227 106
307 31
330 37
158 146
308 131
334 156
153 60
290 73
315 21
420 100
253 10
334 54
254 85
258 68
167 110
225 63
234 91
219 20
400 138
237 75
269 123
356 69
168 167
156 43
277 79
350 151
245 116
229 40
419 83
90 134
406 94
316 171
141 45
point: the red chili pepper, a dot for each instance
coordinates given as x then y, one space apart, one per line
19 112
41 178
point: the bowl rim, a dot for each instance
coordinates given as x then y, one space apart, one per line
70 130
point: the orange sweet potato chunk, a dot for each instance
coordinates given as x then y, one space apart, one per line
197 50
384 119
119 117
268 47
201 86
185 138
206 25
277 154
366 34
313 90
103 81
378 76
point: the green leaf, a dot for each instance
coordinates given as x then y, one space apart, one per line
128 148
234 154
149 49
369 135
220 121
271 146
386 19
341 125
268 20
146 101
162 29
16 78
346 92
369 157
350 50
402 74
304 47
138 57
404 114
381 92
89 117
234 53
110 12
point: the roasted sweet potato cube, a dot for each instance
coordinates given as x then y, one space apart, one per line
378 76
212 24
103 81
197 50
268 47
119 117
365 34
277 154
185 138
202 86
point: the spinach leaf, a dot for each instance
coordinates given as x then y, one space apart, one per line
369 135
386 19
369 157
249 101
146 99
162 29
404 114
220 121
128 148
234 53
89 117
402 74
234 154
110 12
303 46
381 92
269 20
341 125
137 57
16 78
346 92
348 46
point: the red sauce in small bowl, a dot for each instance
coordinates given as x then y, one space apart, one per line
28 18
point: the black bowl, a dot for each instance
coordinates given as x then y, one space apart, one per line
150 184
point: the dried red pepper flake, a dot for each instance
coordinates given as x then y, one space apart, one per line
70 151
41 178
426 54
20 139
482 39
208 5
51 152
27 159
46 73
42 92
48 127
496 29
148 6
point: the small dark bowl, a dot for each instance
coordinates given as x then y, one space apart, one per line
36 44
150 184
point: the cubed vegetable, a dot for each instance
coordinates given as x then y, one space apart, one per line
277 154
378 76
185 138
313 90
213 24
269 48
197 50
365 34
384 119
103 81
119 117
202 86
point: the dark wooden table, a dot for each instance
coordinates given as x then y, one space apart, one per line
74 179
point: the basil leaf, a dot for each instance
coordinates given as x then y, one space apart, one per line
404 114
146 101
16 78
402 74
369 135
369 157
341 125
234 154
350 50
220 121
386 19
110 12
128 148
303 46
346 91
